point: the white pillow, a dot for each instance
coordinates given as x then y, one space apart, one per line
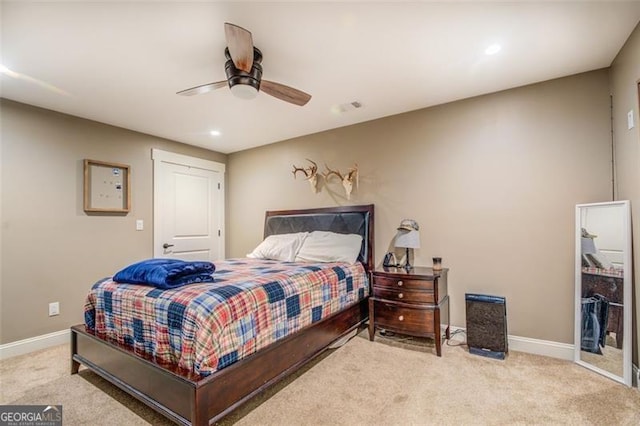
279 247
322 246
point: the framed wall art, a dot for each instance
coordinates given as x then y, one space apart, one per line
106 187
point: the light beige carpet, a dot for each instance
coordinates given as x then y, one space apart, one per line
387 382
610 360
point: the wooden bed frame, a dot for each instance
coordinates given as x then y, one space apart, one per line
190 399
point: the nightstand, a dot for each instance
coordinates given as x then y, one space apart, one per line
413 302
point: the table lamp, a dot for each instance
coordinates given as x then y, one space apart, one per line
408 237
587 243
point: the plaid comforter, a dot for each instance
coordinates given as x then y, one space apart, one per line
206 327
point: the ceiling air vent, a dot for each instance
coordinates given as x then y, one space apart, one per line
349 106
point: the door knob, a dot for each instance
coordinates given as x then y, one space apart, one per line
166 245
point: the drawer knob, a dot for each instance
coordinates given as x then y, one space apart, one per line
401 318
400 283
400 296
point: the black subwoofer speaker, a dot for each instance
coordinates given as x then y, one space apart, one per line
486 325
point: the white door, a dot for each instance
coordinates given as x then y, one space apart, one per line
188 212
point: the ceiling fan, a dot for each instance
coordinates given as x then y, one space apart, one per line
244 72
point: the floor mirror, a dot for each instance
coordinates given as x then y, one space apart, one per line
603 289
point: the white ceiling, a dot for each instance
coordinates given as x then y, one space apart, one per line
122 62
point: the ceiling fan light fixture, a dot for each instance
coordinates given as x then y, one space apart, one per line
244 91
244 72
244 85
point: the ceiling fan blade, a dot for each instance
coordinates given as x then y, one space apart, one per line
240 44
204 88
285 93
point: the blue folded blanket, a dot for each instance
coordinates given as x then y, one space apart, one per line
166 273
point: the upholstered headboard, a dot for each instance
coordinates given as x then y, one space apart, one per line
343 220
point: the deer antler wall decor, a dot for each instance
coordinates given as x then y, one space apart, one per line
310 173
347 180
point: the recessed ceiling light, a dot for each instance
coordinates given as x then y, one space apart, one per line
493 49
215 133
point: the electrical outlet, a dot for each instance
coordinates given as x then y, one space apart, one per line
630 124
54 309
139 225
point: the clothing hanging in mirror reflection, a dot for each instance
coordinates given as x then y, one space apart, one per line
595 314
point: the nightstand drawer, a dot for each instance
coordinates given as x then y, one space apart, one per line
402 295
402 318
402 283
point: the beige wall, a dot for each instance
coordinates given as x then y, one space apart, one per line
493 182
625 75
51 249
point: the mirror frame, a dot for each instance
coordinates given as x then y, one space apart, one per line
627 302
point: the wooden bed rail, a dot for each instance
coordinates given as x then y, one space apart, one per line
204 400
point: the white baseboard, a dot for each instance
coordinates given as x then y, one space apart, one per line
537 346
542 347
32 344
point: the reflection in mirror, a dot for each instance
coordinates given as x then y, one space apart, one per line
603 289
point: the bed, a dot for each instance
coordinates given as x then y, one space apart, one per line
205 395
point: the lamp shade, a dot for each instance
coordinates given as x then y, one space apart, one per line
244 91
588 245
408 239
